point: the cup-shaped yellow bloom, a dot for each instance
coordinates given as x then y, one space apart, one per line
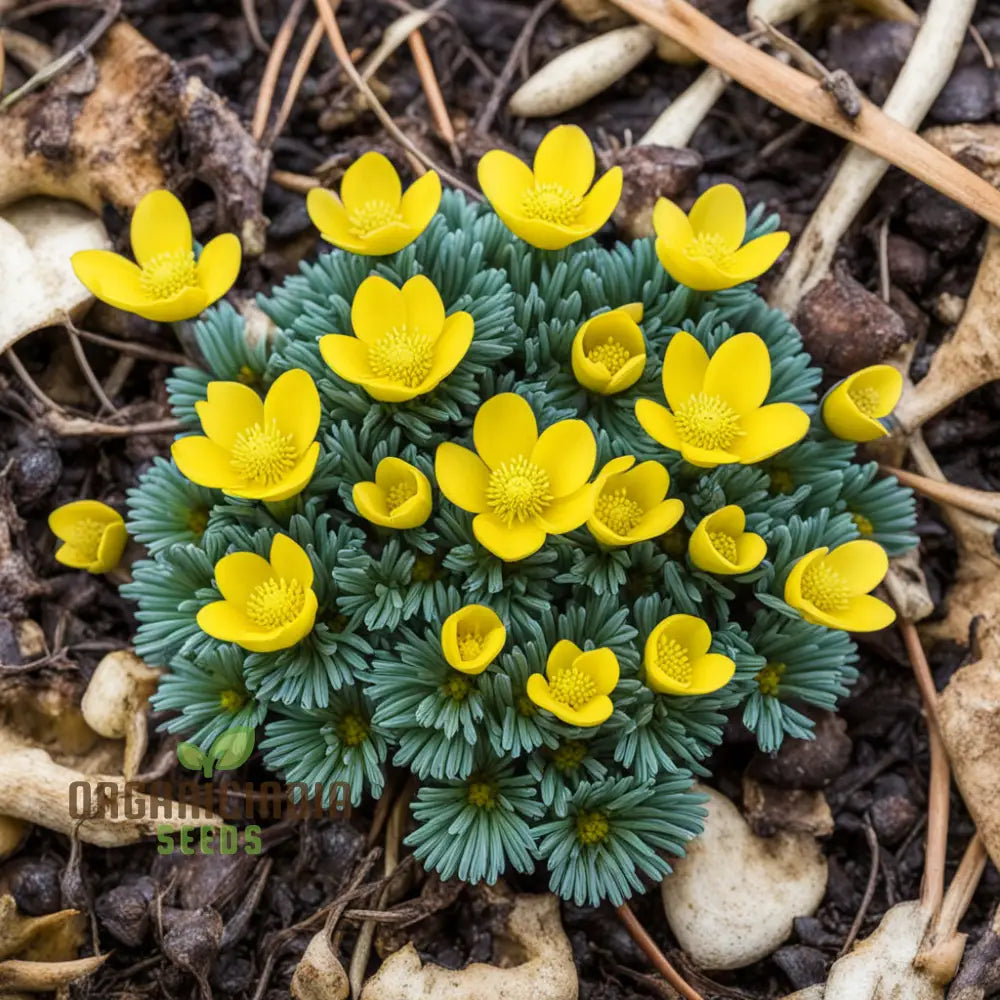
609 352
93 535
404 345
522 485
717 414
631 504
576 684
831 587
853 409
166 283
259 450
720 544
704 249
472 638
552 204
677 660
399 498
267 604
373 215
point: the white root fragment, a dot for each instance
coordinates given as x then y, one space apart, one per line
680 120
582 72
924 74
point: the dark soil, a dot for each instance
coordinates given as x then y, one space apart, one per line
881 780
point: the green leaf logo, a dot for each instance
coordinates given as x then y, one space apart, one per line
231 750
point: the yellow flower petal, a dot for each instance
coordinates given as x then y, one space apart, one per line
721 211
205 463
884 381
219 266
370 501
647 483
230 409
186 304
508 542
740 372
880 386
63 519
239 574
424 308
112 545
769 430
479 619
569 512
371 177
451 347
110 277
159 225
671 224
420 203
758 256
385 240
751 551
292 403
567 451
862 563
601 665
704 553
413 511
658 422
504 180
504 429
347 357
378 306
565 156
539 232
294 482
462 477
657 521
328 215
711 672
866 614
707 458
385 390
845 420
731 519
561 657
599 203
225 622
290 561
691 632
698 273
685 366
302 625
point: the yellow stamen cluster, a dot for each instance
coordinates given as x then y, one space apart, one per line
570 755
617 510
470 645
518 490
169 273
232 701
572 687
197 520
263 454
592 828
712 247
85 536
825 588
275 602
707 422
403 356
725 545
399 493
456 687
611 354
865 398
483 794
673 659
863 524
769 677
372 215
551 202
352 730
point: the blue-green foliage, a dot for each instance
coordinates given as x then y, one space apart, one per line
503 783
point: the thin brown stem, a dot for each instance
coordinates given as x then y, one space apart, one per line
432 89
299 72
88 373
983 503
866 899
652 951
269 81
136 350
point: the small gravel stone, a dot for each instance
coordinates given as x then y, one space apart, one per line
650 173
35 887
969 96
909 262
807 763
804 966
872 54
940 223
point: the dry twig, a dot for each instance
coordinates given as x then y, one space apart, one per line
272 70
652 951
432 91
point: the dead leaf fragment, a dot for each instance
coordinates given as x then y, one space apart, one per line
319 974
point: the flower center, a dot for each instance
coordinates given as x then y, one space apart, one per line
352 730
863 524
403 356
470 645
263 454
569 756
707 422
168 274
572 687
424 568
526 707
725 545
456 687
372 215
710 246
825 588
552 203
518 490
275 602
781 481
197 520
232 701
85 536
399 493
768 678
611 354
591 828
673 659
618 511
483 794
864 398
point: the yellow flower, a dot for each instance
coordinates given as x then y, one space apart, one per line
721 545
576 684
373 216
167 283
716 413
267 604
553 204
256 450
93 535
609 353
854 408
831 587
703 249
631 504
403 344
522 485
677 659
399 498
472 638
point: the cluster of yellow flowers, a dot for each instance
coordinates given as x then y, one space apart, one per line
521 484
